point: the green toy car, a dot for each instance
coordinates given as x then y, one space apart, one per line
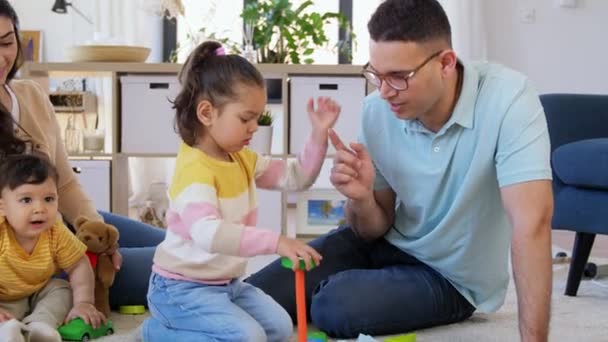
78 330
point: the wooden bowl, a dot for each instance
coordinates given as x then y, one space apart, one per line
107 53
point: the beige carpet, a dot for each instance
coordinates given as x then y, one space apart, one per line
581 318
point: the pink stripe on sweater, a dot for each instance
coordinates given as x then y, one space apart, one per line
272 176
171 275
311 158
181 224
251 219
257 241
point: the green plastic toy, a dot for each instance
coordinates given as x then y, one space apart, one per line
316 336
78 330
286 263
402 338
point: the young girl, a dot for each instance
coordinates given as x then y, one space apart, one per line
34 245
194 293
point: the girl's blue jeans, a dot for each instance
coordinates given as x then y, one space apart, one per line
189 311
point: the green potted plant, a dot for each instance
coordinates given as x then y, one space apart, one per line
261 141
284 34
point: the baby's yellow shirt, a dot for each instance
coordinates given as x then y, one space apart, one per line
22 274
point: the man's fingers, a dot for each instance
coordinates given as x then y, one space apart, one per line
336 141
338 179
345 170
360 150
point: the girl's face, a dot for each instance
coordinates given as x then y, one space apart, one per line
230 128
8 47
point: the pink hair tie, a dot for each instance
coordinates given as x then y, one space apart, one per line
220 51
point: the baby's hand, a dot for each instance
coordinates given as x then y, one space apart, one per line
88 313
325 116
5 316
294 249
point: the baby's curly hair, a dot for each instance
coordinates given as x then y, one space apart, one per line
20 169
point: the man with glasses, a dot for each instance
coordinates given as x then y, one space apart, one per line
452 169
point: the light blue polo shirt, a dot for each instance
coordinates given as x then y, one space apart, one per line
449 212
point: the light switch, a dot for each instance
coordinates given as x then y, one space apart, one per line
567 3
527 15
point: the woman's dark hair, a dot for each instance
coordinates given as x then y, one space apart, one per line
6 10
20 169
209 75
417 21
9 142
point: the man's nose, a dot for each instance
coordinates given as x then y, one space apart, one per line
386 90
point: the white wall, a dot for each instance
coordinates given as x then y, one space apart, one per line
562 50
59 30
130 22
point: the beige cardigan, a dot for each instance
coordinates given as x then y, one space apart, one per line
37 117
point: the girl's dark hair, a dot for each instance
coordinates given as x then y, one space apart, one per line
20 169
418 21
9 142
209 75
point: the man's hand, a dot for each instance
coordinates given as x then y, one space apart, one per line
353 171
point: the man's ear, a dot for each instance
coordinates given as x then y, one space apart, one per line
204 113
449 60
2 212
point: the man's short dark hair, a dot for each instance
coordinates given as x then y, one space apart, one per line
418 21
20 169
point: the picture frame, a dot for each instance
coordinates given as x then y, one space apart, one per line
318 211
31 43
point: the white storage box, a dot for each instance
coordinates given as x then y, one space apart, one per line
94 176
348 92
147 116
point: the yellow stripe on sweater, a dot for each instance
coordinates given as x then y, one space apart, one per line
230 179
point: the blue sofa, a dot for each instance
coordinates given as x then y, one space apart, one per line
578 129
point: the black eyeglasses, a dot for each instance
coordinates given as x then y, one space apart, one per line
398 80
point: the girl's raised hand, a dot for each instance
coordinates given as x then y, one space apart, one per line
324 116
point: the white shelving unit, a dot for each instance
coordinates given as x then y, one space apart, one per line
122 126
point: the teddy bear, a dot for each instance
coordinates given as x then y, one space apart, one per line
99 237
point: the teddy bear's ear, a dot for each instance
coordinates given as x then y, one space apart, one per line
80 220
112 233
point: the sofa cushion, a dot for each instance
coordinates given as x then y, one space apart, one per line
583 163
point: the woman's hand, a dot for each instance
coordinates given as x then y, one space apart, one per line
116 257
324 116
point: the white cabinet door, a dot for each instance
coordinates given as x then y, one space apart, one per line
348 92
94 176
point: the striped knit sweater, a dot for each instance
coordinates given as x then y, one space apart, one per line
211 222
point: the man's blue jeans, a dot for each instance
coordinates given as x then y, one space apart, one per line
186 311
367 287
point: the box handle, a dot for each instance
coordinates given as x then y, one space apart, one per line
328 86
159 85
